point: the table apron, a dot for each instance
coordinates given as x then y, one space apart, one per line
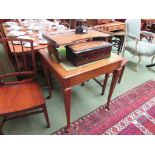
92 74
78 79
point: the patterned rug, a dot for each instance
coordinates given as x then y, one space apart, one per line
132 113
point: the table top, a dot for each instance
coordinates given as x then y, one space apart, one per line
115 23
33 36
111 64
110 27
71 37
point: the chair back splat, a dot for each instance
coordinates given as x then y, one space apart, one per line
17 67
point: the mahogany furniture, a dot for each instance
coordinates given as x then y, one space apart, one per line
34 37
18 48
20 94
116 29
68 38
103 21
111 26
123 64
83 53
80 74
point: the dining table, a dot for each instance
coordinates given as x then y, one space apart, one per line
26 34
69 77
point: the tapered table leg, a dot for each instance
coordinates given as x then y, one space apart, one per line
46 74
1 132
116 75
105 83
67 101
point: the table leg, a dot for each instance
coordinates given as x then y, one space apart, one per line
46 74
67 101
55 53
120 45
105 83
116 75
1 132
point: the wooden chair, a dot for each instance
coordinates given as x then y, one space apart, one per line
20 94
117 40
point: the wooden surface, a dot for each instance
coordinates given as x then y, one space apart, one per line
112 26
79 75
24 65
34 37
71 37
19 91
87 45
84 53
107 65
14 98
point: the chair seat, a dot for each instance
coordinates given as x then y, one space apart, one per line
143 48
16 98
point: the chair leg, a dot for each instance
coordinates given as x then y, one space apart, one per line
152 59
51 81
105 83
82 84
1 132
120 45
123 46
137 67
46 116
1 125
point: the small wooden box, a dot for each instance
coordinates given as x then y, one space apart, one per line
83 53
